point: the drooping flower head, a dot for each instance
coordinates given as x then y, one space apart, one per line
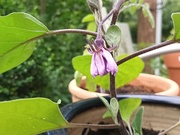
102 61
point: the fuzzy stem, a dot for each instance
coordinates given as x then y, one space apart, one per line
154 47
169 129
101 24
55 32
116 11
63 31
113 93
122 129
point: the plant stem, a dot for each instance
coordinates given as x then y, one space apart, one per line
169 129
63 31
55 32
98 126
154 47
101 24
113 93
115 11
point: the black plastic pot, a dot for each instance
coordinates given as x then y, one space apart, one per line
71 110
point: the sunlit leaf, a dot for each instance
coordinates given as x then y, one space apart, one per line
16 31
127 71
176 20
127 107
88 18
82 64
30 116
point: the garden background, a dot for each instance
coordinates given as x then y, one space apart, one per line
48 71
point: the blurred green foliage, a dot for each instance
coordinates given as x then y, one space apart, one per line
168 7
48 71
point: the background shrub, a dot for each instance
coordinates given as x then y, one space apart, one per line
48 71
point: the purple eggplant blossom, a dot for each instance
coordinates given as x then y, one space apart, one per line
102 61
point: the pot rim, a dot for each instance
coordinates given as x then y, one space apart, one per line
89 103
172 90
69 111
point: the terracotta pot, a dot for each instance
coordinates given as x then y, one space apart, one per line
160 112
172 62
163 86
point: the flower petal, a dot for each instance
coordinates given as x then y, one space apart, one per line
93 69
99 62
111 65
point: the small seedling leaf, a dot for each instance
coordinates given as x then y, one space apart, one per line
114 106
137 121
106 103
127 107
113 36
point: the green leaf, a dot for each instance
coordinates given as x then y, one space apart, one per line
134 8
147 13
90 85
30 116
176 20
78 77
82 64
137 121
107 114
113 35
88 18
106 103
127 107
113 108
114 105
16 29
91 27
127 71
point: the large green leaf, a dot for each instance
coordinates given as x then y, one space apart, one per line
126 71
82 64
176 20
30 116
16 29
